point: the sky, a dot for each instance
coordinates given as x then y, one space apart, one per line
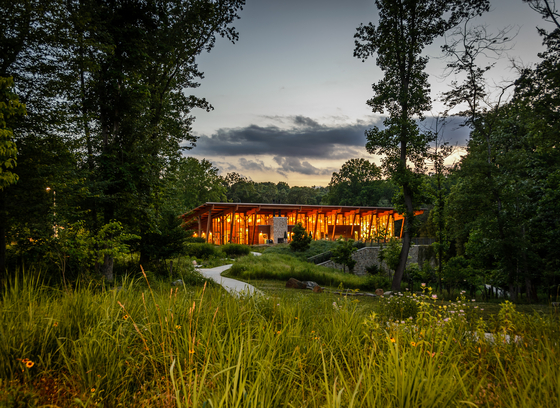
289 98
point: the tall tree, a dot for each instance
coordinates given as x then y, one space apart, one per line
405 28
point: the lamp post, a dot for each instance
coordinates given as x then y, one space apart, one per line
54 212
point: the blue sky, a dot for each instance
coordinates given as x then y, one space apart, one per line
289 97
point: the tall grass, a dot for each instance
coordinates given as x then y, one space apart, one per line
200 347
283 267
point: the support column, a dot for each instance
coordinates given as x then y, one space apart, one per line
208 223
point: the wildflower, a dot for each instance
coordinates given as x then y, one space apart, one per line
413 344
461 311
25 360
55 324
473 300
278 332
191 351
423 285
296 317
446 319
177 327
434 296
29 364
393 340
93 390
125 317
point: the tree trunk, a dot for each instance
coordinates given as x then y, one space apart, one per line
106 268
407 239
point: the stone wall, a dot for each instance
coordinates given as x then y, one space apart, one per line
368 256
278 228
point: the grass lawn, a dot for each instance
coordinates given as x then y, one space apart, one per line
149 344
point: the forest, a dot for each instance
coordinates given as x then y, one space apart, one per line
96 128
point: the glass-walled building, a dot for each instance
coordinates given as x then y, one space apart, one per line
253 224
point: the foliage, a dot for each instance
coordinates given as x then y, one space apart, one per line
391 253
233 250
342 254
9 107
284 267
404 29
359 183
139 347
201 250
301 240
316 247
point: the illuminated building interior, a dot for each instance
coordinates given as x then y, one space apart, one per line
254 224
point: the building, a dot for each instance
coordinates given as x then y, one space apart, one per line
253 224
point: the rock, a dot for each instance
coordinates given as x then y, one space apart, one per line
379 292
310 284
295 284
370 294
178 282
388 293
317 289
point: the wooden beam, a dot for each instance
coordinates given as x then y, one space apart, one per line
402 227
387 226
353 222
231 225
254 228
370 225
209 222
199 227
315 229
334 226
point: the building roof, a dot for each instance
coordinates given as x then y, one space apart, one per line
218 209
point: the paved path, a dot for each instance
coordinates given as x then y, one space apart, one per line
231 285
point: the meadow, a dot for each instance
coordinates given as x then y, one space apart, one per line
148 344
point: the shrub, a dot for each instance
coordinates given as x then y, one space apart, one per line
232 250
201 251
378 282
342 254
195 240
301 240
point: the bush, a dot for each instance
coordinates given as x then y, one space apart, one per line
195 240
342 254
301 239
201 251
233 250
378 282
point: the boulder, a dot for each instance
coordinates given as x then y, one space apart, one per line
317 289
295 284
389 293
310 284
379 292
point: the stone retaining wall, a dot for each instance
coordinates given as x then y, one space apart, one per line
368 256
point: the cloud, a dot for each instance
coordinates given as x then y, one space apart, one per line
254 165
305 138
294 165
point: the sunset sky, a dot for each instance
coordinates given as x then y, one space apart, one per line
289 97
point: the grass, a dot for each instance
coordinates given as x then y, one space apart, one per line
152 345
316 248
283 267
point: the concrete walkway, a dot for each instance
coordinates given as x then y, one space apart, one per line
231 285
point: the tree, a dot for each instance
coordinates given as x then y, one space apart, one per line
342 254
358 183
301 239
405 28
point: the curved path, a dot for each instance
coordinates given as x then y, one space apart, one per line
231 285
